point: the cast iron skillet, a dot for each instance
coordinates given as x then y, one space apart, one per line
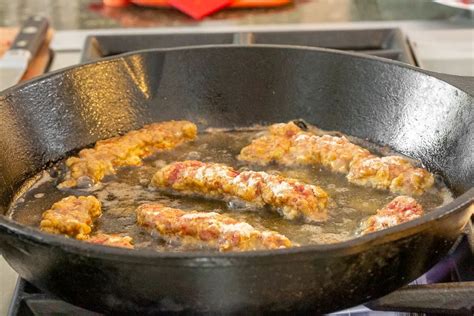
387 102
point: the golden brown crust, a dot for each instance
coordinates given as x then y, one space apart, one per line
72 216
127 150
209 230
392 173
291 198
112 240
400 210
286 144
297 147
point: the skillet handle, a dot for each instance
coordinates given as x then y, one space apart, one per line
463 83
31 35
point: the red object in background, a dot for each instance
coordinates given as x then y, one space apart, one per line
116 3
199 8
258 3
234 4
164 3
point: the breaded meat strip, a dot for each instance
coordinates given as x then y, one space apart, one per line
393 173
208 230
93 164
273 146
291 198
400 210
112 240
72 216
288 145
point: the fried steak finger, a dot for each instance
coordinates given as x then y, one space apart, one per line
400 210
392 173
288 145
72 216
93 164
291 198
208 230
113 240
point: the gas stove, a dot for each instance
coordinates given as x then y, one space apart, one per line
447 288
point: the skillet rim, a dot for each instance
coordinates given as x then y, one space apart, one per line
353 245
442 76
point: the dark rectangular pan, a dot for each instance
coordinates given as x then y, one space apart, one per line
387 42
423 115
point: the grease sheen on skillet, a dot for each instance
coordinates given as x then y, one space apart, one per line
121 194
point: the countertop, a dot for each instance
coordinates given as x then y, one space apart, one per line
91 14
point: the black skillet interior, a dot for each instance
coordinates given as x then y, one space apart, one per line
228 86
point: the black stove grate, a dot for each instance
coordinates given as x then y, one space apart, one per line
388 43
30 301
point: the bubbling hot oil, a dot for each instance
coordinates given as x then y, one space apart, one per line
123 193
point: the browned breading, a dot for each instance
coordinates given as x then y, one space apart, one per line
335 153
72 216
287 144
208 230
393 173
267 149
112 240
275 146
291 198
400 210
128 150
